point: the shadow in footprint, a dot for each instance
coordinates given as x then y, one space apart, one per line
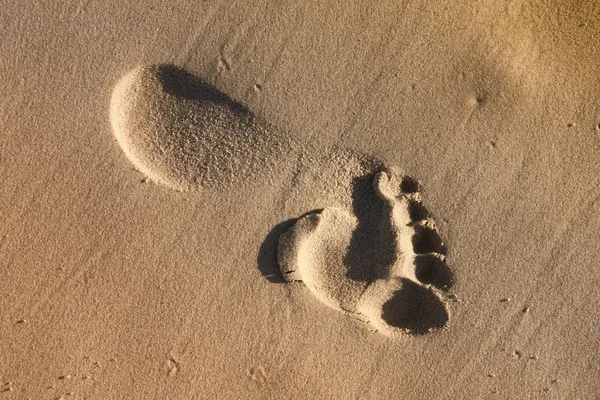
417 211
409 185
415 309
267 254
372 247
427 240
431 269
180 83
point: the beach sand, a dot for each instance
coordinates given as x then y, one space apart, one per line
266 200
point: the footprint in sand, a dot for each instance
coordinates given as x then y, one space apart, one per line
391 276
371 250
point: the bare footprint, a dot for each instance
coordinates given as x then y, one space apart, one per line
399 290
376 254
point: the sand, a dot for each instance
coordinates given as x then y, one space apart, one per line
299 200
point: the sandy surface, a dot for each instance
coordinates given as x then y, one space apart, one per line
116 286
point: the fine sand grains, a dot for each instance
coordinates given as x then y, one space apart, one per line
371 251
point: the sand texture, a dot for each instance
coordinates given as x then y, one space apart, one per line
300 200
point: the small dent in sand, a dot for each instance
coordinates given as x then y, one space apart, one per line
257 374
480 98
172 366
6 387
223 65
